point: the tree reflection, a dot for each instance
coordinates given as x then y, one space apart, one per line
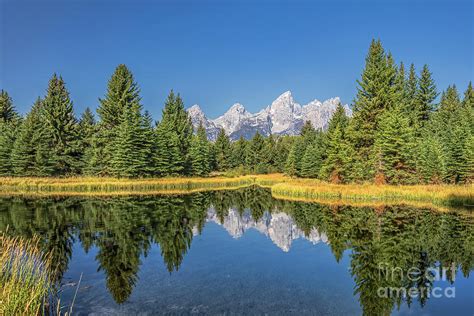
383 243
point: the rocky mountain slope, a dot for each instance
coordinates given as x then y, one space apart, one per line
283 117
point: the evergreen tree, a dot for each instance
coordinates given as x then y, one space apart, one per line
9 123
312 161
61 124
394 148
174 134
425 96
8 132
468 100
129 158
200 153
375 94
454 132
222 151
411 90
431 162
122 93
7 110
336 165
86 131
467 175
238 153
255 154
30 155
295 155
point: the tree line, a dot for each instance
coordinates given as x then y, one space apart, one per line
398 134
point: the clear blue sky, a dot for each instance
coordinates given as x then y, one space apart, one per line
216 53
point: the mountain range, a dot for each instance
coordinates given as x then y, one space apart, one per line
282 117
278 226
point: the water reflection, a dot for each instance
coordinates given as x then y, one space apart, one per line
123 229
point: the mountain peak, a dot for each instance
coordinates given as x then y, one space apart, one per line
285 96
195 109
284 116
237 107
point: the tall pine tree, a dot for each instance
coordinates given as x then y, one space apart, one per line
200 153
61 124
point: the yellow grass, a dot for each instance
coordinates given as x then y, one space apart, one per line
25 285
281 186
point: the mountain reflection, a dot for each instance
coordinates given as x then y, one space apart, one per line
123 229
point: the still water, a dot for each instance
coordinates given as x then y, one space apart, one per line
243 252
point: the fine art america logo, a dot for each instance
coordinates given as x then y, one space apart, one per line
417 283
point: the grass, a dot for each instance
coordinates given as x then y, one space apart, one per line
281 186
114 186
25 286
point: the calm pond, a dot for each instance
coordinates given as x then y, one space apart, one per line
243 252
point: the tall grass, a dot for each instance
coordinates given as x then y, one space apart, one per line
97 186
443 195
281 186
25 286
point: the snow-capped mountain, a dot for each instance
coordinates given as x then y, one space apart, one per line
278 226
284 117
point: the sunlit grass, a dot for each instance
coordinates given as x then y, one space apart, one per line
25 285
446 195
282 187
98 186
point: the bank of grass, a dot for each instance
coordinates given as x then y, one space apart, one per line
438 195
115 186
25 286
282 186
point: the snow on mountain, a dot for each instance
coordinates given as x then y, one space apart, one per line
278 226
284 117
198 117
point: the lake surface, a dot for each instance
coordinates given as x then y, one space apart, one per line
243 252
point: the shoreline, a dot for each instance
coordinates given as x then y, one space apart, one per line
282 187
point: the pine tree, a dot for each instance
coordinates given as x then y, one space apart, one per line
86 131
295 155
468 100
61 124
9 124
222 151
454 132
312 161
467 175
256 155
425 96
7 110
129 156
200 153
31 154
375 94
411 90
176 125
335 167
122 93
431 161
238 153
8 132
394 147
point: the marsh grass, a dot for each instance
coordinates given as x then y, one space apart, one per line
281 186
441 195
24 278
92 186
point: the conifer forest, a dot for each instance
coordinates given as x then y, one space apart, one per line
404 130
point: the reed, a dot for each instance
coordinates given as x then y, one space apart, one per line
282 187
25 286
442 195
86 185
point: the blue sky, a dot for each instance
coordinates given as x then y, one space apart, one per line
216 53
